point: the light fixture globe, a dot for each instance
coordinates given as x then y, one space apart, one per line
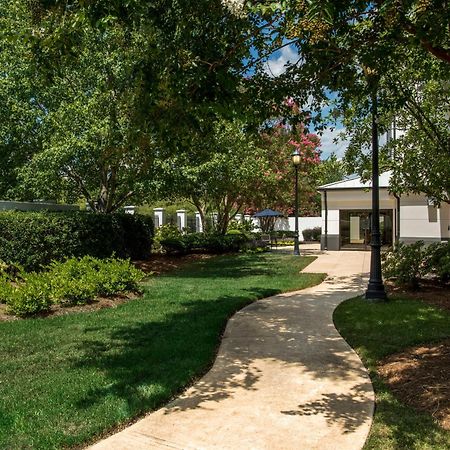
296 157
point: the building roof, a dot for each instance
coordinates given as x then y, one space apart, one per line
356 183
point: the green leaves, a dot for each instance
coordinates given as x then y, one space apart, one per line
75 281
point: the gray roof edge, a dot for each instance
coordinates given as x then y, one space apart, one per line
366 185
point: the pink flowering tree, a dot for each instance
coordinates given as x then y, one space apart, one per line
276 188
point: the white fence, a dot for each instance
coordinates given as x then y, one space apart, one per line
282 223
304 223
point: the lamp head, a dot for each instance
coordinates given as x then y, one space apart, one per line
296 157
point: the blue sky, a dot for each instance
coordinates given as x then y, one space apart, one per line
276 66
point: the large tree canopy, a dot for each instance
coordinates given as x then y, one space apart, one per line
96 92
20 92
123 84
396 49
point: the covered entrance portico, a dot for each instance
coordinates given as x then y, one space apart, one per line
347 214
347 208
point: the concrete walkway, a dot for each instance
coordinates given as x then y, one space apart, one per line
283 379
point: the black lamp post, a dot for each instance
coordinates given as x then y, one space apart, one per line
296 161
375 289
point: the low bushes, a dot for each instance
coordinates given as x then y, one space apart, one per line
245 226
438 261
283 234
73 282
170 240
312 234
34 239
407 264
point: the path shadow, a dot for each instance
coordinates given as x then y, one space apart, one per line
344 409
148 354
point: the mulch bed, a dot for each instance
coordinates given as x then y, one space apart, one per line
430 292
94 305
420 376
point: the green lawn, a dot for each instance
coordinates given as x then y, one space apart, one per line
377 330
64 380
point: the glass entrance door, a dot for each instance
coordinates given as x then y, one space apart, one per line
355 228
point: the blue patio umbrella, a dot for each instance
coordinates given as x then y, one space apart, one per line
268 213
267 219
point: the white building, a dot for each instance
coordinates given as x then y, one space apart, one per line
346 216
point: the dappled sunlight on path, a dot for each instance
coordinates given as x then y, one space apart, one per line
283 378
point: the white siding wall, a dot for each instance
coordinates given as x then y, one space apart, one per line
288 224
444 215
420 220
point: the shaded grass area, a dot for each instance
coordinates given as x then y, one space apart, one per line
377 330
64 380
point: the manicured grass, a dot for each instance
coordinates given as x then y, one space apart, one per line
64 380
377 330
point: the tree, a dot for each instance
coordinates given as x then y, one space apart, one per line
395 51
218 175
419 152
276 188
329 170
126 85
20 91
93 146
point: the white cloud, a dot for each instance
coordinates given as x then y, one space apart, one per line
277 64
329 146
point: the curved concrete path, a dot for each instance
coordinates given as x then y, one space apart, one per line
284 378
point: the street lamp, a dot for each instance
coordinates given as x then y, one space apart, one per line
375 289
296 161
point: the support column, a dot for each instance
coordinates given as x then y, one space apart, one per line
181 219
159 217
198 223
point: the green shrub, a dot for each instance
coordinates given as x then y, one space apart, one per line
283 234
437 260
405 264
312 234
218 243
114 276
170 240
317 231
75 281
165 236
195 242
245 226
31 296
80 280
34 239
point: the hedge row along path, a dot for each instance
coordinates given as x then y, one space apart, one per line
283 378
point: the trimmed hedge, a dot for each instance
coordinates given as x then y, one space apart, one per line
312 234
34 239
170 240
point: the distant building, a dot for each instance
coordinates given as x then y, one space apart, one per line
346 216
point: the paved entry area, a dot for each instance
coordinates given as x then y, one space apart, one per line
283 379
